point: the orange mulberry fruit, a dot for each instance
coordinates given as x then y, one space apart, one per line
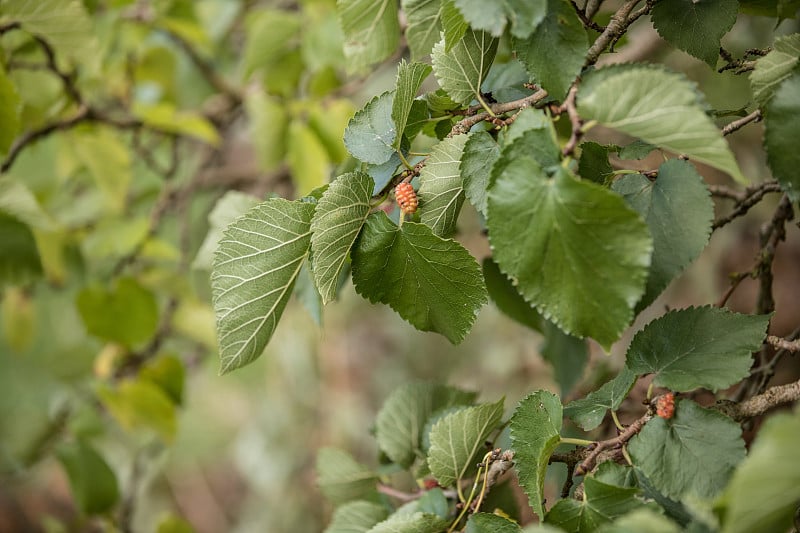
406 198
665 406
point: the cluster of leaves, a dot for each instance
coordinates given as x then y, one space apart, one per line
685 471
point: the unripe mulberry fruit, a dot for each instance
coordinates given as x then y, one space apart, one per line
406 198
665 406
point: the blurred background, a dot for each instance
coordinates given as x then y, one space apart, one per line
107 341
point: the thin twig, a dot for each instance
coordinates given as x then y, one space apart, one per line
574 119
616 28
68 80
587 22
755 116
589 462
464 125
761 403
751 197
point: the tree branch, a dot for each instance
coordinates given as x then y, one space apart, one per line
574 119
755 116
464 125
616 28
594 451
761 403
784 344
750 197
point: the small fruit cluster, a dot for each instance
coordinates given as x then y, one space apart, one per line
406 198
665 406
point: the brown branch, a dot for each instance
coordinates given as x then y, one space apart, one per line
587 22
755 116
616 28
751 196
464 125
68 80
5 28
784 344
761 403
574 119
617 442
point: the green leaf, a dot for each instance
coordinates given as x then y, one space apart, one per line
167 118
307 158
64 23
401 421
695 27
658 106
589 412
173 524
328 121
601 504
338 219
231 206
356 517
535 433
642 520
108 161
371 30
566 354
341 478
433 283
19 262
93 483
127 313
424 25
457 441
697 347
441 191
480 154
141 404
587 246
678 210
782 124
167 372
506 297
523 16
491 523
257 262
17 201
9 112
269 34
554 53
461 71
371 132
453 24
775 67
692 454
593 164
268 126
638 149
409 77
434 501
764 490
411 523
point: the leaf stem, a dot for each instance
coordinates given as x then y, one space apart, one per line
577 442
484 105
403 159
617 423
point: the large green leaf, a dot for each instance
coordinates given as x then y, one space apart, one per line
697 347
773 68
782 125
371 132
341 478
453 24
9 112
641 520
554 53
480 154
535 433
690 455
268 125
337 221
601 504
257 262
461 71
409 77
93 483
371 30
491 523
356 517
411 523
678 210
577 252
441 191
457 441
424 25
764 490
433 283
127 313
695 27
588 412
401 421
64 23
658 106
